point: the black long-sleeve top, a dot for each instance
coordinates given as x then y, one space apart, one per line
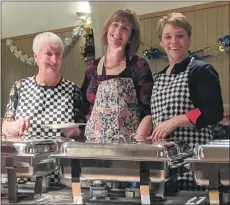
205 91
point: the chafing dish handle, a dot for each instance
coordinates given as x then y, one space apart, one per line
186 154
182 156
174 166
47 160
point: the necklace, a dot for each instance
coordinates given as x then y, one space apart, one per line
111 67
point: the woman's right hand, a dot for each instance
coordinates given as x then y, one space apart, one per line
20 126
71 132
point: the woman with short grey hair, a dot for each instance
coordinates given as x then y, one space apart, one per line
45 98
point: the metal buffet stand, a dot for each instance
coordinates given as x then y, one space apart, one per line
211 169
26 159
152 166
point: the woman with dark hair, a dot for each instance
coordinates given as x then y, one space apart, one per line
117 87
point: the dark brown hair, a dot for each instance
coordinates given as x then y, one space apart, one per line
123 15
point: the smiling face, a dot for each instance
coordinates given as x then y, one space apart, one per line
119 33
175 41
49 59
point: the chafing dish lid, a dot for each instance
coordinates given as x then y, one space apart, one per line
149 152
215 151
219 142
27 146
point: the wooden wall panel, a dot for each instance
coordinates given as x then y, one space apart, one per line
212 35
209 22
142 33
154 43
226 58
219 33
191 17
148 33
161 63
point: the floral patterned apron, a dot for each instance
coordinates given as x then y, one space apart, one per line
115 115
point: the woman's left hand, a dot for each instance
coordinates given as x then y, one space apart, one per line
162 130
144 128
71 132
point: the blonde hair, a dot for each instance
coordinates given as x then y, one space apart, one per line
46 39
122 15
176 19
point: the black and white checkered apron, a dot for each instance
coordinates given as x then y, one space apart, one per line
46 105
171 97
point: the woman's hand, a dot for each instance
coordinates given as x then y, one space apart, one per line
71 132
163 129
20 126
145 127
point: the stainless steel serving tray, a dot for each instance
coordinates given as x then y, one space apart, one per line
212 157
31 158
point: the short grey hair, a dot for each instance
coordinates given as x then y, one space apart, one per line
46 39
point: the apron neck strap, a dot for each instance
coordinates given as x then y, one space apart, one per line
190 64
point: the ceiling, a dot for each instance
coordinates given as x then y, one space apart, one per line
20 18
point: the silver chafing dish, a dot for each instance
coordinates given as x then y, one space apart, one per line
210 164
31 158
26 159
159 162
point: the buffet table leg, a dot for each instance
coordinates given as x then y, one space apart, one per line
76 186
38 185
214 197
76 189
160 190
214 182
144 183
12 185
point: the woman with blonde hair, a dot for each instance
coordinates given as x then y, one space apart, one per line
186 96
